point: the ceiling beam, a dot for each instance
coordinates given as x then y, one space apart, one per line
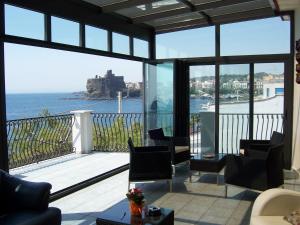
222 19
125 4
179 11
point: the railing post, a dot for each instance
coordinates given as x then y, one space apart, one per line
82 133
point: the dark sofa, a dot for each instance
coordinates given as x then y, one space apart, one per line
25 203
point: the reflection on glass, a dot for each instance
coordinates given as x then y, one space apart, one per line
202 108
159 97
256 37
189 43
24 23
95 38
141 48
65 31
120 43
268 99
234 106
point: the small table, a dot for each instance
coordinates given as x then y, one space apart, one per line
120 214
204 164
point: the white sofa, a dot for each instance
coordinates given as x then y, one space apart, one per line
272 205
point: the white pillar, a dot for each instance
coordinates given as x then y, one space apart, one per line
119 102
82 133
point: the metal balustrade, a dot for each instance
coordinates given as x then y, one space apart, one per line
232 128
36 139
33 140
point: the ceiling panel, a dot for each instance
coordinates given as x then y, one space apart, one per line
152 8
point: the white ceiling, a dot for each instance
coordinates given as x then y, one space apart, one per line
288 4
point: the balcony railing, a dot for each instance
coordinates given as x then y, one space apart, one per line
36 139
232 128
112 130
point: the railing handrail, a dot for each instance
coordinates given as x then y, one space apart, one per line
39 117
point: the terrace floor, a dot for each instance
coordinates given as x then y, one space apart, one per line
68 170
198 202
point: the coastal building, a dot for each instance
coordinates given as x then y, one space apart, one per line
106 86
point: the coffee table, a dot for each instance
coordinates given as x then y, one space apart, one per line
120 214
204 164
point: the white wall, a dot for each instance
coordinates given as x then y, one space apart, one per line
296 140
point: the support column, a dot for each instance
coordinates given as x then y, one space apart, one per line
296 106
82 133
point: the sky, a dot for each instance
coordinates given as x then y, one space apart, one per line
40 70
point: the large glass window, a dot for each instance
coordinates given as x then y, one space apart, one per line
65 31
120 43
141 48
234 106
24 23
95 38
268 99
256 37
159 98
202 108
188 43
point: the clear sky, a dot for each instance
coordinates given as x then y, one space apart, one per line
36 70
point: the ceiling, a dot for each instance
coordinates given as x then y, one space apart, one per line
288 4
171 15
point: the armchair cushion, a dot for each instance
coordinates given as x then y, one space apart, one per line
18 194
179 149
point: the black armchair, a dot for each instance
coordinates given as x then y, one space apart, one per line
261 166
180 146
25 203
149 163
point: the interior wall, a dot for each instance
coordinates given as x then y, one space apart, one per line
296 120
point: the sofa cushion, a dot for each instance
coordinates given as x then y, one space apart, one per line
179 149
51 216
293 217
268 220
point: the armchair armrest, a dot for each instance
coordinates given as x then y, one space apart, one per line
246 143
156 148
181 141
276 202
22 194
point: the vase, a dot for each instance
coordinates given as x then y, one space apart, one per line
135 209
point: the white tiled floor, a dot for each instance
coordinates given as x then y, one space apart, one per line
71 169
198 202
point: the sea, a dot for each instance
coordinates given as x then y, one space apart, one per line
20 106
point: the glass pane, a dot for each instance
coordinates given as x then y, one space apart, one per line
234 106
24 23
189 43
202 108
159 97
268 99
266 36
120 43
95 38
65 31
140 48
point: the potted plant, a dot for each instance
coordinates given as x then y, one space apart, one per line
136 201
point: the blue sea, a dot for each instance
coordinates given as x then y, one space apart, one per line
20 106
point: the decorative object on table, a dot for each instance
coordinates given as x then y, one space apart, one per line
209 155
154 211
298 61
136 201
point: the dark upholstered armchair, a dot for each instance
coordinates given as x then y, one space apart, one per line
261 166
149 163
25 203
180 146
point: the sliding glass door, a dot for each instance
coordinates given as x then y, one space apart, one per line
159 96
